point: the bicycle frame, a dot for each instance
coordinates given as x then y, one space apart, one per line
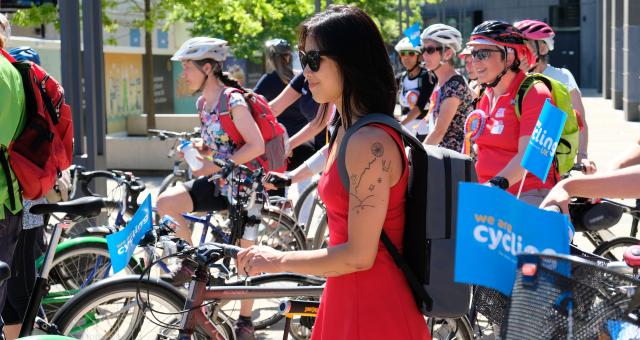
199 292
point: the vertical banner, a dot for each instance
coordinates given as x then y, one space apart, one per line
413 33
122 244
541 150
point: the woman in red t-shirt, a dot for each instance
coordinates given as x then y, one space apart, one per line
497 50
366 295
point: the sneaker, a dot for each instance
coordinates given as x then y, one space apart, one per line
244 330
183 274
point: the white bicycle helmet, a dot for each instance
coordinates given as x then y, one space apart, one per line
444 35
202 48
405 45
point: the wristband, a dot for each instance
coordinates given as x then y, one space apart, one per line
500 182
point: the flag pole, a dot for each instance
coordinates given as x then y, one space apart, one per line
522 183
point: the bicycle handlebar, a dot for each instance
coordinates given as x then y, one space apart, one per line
164 134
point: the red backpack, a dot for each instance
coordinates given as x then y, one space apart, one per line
44 147
273 133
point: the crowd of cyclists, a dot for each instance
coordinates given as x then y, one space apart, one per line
346 75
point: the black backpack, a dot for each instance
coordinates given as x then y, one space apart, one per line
431 211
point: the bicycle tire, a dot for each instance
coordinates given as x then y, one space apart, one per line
126 287
170 181
459 328
271 319
303 197
606 249
289 234
83 252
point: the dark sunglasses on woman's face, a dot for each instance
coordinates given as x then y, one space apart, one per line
483 54
311 58
430 50
408 53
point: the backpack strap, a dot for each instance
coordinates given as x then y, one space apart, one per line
526 85
226 117
7 175
409 139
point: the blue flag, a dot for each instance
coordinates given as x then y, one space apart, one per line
123 243
493 227
544 141
413 33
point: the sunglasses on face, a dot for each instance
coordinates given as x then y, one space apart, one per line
408 53
430 50
483 54
311 58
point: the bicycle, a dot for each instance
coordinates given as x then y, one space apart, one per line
181 171
104 307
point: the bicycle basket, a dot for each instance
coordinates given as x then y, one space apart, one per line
491 304
587 216
566 297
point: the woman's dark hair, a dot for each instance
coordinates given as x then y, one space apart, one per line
350 37
217 71
281 63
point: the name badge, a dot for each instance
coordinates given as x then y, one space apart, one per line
498 127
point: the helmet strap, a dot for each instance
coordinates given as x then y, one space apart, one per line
501 74
204 81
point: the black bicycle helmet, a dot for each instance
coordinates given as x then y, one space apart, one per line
278 46
499 31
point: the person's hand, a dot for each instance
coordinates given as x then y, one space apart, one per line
588 166
208 167
558 196
259 259
275 180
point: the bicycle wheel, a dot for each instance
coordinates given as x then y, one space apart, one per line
76 264
441 329
170 181
321 237
280 231
265 311
614 249
111 310
308 193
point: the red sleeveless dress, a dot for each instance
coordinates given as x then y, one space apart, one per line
375 303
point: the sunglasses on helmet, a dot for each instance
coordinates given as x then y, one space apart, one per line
311 58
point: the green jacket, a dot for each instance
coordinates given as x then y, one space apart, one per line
12 120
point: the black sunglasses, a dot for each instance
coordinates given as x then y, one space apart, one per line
483 54
408 53
430 50
311 58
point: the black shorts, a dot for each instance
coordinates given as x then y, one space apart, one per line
204 197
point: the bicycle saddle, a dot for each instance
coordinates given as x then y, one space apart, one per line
84 206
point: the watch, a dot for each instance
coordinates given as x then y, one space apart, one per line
500 182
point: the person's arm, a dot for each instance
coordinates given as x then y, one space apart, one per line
583 140
448 109
287 97
629 158
251 149
412 115
372 173
310 130
313 165
622 183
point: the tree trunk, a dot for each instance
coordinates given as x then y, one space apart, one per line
148 95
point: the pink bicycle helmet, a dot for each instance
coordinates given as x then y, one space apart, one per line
536 30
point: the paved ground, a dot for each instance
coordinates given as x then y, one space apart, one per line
610 134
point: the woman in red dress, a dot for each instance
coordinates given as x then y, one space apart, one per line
366 295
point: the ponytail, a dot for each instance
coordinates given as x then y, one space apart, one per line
228 81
